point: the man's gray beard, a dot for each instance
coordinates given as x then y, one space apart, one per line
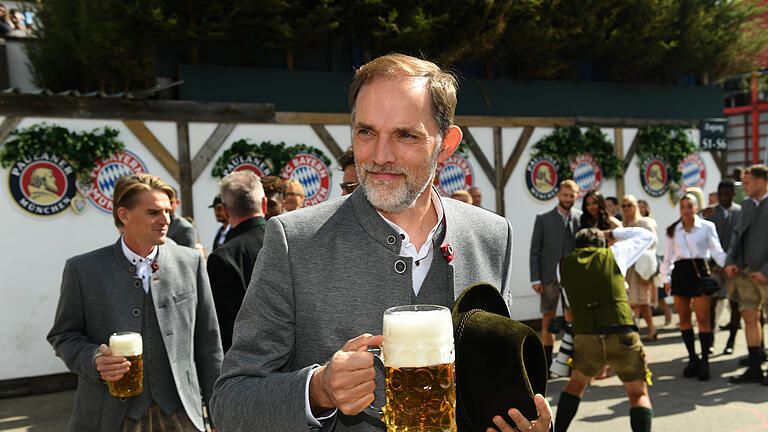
405 196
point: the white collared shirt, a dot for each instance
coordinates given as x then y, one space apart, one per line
701 242
143 265
419 272
422 258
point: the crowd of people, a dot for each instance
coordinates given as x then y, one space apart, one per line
270 329
14 22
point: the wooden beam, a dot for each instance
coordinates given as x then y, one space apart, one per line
506 121
27 105
477 152
8 125
328 140
209 149
618 139
288 117
616 122
185 169
150 141
632 150
522 142
720 161
498 163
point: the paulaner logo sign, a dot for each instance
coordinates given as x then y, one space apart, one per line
42 185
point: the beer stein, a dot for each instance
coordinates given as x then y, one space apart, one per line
128 345
418 356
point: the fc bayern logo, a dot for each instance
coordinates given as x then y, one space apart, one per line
541 177
586 173
43 185
313 175
247 162
454 174
693 171
654 176
105 174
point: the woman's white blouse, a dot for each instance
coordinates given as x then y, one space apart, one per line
701 242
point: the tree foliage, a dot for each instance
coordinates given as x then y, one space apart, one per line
566 143
113 44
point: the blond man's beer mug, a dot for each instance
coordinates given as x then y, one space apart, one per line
128 345
418 357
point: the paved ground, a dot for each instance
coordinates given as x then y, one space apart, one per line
680 404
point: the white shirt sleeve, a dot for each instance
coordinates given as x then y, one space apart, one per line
312 420
667 265
635 241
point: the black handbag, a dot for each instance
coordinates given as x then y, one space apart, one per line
705 285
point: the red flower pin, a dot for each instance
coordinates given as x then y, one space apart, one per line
155 266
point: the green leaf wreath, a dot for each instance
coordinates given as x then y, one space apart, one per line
80 149
274 155
670 143
566 143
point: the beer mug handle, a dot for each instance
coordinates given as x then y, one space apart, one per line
371 410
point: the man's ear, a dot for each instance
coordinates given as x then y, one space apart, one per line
264 205
122 214
226 213
451 141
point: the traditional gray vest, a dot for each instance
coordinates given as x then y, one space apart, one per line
158 383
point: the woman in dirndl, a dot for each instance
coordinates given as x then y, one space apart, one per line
691 242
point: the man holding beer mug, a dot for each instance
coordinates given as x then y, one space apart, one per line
326 274
152 303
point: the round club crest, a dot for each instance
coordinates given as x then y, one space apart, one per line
247 162
654 176
586 173
693 170
105 174
43 185
541 177
313 175
454 174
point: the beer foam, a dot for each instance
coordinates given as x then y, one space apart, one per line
418 338
125 344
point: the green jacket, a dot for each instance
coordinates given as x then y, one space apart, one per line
595 288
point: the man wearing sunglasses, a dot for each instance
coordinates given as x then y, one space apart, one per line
347 164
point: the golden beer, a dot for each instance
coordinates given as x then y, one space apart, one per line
420 399
128 345
418 359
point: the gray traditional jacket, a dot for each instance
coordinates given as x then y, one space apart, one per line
749 243
324 276
100 295
551 240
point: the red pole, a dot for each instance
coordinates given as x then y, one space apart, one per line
755 122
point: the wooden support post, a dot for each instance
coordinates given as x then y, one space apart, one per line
185 169
328 140
150 141
522 142
721 162
8 125
498 163
618 139
632 150
209 149
479 155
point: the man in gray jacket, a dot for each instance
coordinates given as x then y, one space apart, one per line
326 274
552 239
141 285
747 264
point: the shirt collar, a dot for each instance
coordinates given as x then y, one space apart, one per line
438 209
134 257
696 223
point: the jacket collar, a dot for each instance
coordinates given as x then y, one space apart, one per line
245 226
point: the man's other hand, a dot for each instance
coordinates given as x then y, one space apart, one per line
759 278
731 270
111 368
539 288
346 382
541 424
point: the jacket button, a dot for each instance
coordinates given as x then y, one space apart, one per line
136 312
131 269
400 266
391 240
137 284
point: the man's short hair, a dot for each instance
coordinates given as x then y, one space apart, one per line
295 183
758 172
589 237
569 184
347 159
273 185
613 200
127 190
727 184
242 193
462 195
442 85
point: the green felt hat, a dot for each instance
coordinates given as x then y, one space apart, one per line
500 363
